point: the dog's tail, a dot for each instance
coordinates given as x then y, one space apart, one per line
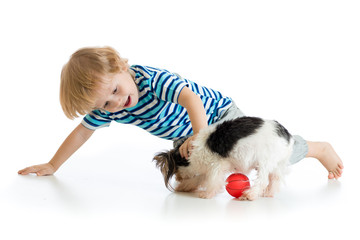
168 163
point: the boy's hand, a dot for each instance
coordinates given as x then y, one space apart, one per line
40 170
186 148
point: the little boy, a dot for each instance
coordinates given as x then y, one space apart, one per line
97 83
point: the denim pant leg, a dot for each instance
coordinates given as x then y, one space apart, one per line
300 149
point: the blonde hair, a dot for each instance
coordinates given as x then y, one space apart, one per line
81 75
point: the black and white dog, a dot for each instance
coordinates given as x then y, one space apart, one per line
238 145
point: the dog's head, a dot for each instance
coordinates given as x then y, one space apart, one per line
169 162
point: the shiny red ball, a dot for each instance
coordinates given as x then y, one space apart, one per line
237 183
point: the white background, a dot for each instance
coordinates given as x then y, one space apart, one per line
293 61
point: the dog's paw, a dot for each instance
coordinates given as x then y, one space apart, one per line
184 189
268 193
206 195
243 198
180 188
249 195
185 186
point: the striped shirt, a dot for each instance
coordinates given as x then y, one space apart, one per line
157 110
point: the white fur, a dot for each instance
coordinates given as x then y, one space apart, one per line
264 151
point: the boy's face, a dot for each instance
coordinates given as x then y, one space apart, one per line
117 92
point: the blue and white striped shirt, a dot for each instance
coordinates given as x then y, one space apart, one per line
157 110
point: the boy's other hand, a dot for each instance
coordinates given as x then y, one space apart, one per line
186 148
40 170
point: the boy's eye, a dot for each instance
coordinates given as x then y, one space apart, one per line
115 90
106 104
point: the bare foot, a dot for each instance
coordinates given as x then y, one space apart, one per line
325 153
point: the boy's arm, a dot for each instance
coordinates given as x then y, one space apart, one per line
71 144
195 109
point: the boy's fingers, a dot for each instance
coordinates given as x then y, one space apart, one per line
32 170
23 171
41 173
184 150
28 170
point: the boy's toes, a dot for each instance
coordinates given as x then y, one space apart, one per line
341 166
336 174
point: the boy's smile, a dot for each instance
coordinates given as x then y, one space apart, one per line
117 92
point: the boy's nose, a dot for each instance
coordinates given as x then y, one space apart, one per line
119 101
116 103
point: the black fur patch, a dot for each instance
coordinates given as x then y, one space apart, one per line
283 132
226 134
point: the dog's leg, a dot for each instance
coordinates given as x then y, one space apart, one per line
274 184
214 180
259 186
189 184
276 177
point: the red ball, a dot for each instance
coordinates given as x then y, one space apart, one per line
237 183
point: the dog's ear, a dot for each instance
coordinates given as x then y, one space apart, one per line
166 163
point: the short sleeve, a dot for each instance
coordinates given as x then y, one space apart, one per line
96 119
167 86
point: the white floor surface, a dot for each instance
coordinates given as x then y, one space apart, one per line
110 197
